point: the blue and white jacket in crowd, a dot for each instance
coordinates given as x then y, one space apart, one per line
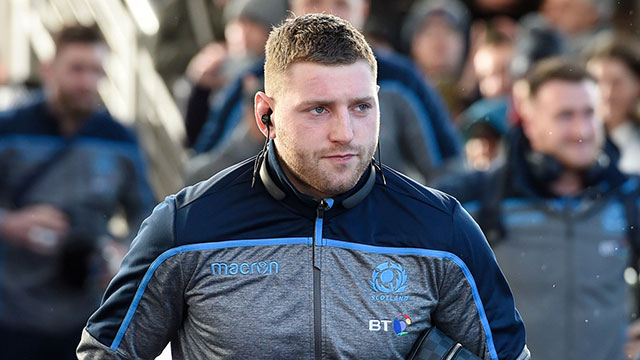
227 270
89 177
564 257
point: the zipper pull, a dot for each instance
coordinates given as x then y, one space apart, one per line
322 206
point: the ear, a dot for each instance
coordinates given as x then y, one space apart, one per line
263 104
526 112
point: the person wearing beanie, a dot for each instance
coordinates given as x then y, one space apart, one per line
436 35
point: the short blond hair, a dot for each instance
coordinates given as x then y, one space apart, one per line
317 38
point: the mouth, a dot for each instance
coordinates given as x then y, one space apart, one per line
340 158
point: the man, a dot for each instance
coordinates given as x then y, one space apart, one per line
417 135
558 215
436 36
67 167
245 141
578 20
491 63
615 63
247 25
314 252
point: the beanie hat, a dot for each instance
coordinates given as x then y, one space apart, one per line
264 12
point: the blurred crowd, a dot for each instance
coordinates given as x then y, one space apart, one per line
527 111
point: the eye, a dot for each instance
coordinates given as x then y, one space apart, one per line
364 107
565 115
318 110
589 113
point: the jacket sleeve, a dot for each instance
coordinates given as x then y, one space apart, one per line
143 305
486 294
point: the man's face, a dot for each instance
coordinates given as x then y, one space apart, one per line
491 64
354 11
570 16
326 123
73 77
619 89
562 123
438 47
245 36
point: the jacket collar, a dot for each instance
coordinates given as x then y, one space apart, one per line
529 180
280 187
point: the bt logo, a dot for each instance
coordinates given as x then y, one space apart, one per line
400 324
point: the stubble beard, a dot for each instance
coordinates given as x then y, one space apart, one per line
313 172
78 105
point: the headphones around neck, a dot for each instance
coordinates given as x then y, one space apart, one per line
546 168
274 190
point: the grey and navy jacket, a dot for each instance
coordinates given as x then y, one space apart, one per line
564 257
89 177
227 270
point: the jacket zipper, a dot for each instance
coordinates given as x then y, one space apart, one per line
317 298
570 273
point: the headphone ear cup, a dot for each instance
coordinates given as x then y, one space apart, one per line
544 167
597 171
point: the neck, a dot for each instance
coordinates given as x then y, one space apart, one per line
570 183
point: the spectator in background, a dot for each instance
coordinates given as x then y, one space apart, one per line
578 20
437 34
247 26
185 27
245 141
417 136
67 167
558 215
491 63
615 63
484 126
486 121
535 40
500 65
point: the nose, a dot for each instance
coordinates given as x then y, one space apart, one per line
584 126
341 127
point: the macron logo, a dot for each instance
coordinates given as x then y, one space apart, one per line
245 268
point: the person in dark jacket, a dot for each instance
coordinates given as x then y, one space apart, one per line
67 167
560 218
309 250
